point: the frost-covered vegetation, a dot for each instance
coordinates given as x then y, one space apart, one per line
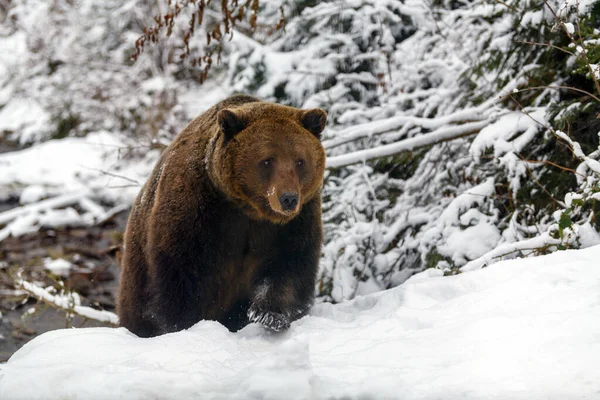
460 132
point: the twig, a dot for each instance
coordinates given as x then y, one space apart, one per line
574 89
545 45
530 173
554 165
112 174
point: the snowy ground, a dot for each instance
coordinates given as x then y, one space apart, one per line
520 329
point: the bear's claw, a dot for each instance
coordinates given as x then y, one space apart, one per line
274 321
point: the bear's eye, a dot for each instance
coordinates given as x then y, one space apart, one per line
300 163
267 163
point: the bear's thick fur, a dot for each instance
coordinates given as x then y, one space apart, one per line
228 226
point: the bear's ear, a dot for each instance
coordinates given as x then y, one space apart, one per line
314 121
230 123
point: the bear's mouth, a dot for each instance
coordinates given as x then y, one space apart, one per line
280 214
259 208
275 213
265 207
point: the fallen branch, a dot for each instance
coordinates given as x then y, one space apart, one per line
65 303
538 242
111 213
55 202
437 136
97 212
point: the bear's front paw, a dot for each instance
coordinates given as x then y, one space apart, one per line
276 321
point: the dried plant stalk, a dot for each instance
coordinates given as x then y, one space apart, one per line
232 13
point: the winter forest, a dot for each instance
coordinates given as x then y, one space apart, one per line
460 200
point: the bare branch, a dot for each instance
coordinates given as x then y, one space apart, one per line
136 183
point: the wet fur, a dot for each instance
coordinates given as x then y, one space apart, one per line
200 245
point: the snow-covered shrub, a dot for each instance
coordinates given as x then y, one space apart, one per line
332 54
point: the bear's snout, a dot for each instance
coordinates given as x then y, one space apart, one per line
289 201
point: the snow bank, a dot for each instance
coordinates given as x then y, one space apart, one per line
70 164
519 329
51 177
24 115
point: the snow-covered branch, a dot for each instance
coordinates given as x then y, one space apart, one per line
394 123
68 303
592 164
539 242
55 212
55 202
437 136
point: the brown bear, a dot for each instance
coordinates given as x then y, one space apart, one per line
228 226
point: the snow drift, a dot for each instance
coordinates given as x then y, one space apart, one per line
519 329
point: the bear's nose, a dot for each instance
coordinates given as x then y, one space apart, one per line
289 201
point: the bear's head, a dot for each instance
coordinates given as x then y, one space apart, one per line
269 159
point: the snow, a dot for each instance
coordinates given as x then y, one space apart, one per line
58 267
582 5
460 245
596 70
519 329
60 218
592 164
32 194
24 115
537 242
71 164
569 27
58 174
394 76
31 217
389 124
500 135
